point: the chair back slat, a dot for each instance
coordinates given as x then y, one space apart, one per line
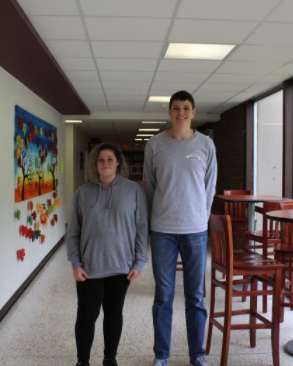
287 227
236 210
221 240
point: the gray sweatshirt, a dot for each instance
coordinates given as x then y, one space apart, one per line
107 230
179 180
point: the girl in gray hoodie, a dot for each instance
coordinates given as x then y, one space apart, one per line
107 240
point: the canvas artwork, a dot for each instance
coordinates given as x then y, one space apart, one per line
36 156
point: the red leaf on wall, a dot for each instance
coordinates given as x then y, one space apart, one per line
23 230
19 162
29 233
56 217
49 203
20 254
31 126
30 205
53 222
20 122
43 146
47 132
55 194
34 215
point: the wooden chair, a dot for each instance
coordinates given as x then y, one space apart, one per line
238 213
253 270
284 254
265 240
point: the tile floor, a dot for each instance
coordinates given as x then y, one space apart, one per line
38 331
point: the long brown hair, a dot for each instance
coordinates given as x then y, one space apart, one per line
122 168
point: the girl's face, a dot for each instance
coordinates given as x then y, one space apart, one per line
107 165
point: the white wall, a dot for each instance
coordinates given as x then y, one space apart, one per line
12 271
76 142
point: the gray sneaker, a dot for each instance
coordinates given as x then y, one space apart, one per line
201 361
158 362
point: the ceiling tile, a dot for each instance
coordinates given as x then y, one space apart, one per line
126 108
270 80
52 7
164 92
181 77
127 49
242 96
213 95
80 63
86 83
126 64
174 86
283 13
210 31
127 29
226 9
272 34
262 54
286 70
69 48
129 8
188 65
157 107
130 92
125 98
248 68
59 28
82 75
126 84
90 91
233 79
223 87
126 76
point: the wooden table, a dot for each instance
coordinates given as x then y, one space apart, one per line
251 200
285 216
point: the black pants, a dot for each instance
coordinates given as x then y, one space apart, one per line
91 294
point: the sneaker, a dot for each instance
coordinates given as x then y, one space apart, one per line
201 361
82 364
109 362
158 362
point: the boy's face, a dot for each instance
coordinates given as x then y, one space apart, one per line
181 113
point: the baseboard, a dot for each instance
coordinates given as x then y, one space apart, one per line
28 281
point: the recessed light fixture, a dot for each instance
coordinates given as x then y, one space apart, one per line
149 129
198 51
144 135
159 99
73 121
152 122
137 139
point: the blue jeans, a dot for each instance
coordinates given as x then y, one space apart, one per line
192 248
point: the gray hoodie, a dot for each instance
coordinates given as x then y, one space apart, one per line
107 230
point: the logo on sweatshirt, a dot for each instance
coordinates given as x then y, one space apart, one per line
193 157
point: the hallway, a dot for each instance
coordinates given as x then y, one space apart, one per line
39 330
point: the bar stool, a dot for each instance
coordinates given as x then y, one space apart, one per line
253 269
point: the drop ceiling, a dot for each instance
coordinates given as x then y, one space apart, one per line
112 52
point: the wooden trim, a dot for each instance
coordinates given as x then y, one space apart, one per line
25 56
287 189
28 281
249 146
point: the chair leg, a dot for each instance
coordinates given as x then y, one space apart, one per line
245 288
276 317
291 285
212 311
253 310
264 299
227 323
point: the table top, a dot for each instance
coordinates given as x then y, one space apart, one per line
281 215
251 198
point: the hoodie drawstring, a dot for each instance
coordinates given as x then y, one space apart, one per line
110 200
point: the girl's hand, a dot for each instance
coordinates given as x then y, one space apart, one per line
79 274
132 274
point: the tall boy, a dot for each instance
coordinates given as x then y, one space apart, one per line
180 172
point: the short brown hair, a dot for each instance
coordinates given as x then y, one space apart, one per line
122 168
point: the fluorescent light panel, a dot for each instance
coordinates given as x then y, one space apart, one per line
149 129
144 135
145 139
138 139
159 99
73 121
198 51
152 122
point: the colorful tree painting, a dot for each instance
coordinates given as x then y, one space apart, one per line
35 145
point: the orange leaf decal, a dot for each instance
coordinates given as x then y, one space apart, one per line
20 254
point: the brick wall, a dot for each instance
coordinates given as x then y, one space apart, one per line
230 141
